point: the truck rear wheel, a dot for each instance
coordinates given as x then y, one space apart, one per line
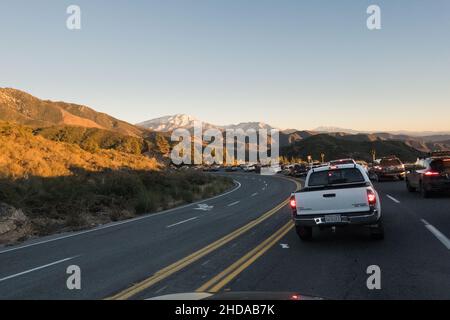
304 233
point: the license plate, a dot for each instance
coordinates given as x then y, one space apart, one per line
333 218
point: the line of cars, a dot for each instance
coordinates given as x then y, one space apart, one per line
429 175
341 192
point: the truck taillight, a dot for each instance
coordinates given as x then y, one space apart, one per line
293 203
371 197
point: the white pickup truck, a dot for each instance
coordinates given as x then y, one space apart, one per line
336 195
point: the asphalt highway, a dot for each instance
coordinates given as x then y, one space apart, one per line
242 241
114 257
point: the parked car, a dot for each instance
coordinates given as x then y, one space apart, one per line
249 168
270 169
231 169
388 168
214 168
299 170
429 175
364 165
336 196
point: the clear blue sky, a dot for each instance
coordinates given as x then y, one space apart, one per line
293 64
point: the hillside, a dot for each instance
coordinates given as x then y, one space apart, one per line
93 139
24 154
50 186
20 107
336 147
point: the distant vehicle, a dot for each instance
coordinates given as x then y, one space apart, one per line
270 169
429 175
232 169
299 170
276 168
249 168
336 196
341 161
388 167
212 168
364 165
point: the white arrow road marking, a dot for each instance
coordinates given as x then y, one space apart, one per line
392 198
255 194
181 222
204 207
233 204
440 236
36 269
284 246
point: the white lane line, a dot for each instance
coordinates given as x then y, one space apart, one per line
205 263
440 236
181 222
254 195
393 199
36 269
161 289
115 224
233 204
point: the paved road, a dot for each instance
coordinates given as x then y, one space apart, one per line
238 242
114 257
414 258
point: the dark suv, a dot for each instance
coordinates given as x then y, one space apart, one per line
388 167
430 175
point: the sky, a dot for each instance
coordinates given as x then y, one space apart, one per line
292 64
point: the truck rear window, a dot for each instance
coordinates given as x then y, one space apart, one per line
338 176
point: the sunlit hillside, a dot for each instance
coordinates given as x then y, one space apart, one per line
24 154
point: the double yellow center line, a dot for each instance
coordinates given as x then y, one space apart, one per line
183 263
223 278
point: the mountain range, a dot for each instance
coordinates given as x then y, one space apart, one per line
184 121
424 143
22 108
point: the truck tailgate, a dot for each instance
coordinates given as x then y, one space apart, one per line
328 201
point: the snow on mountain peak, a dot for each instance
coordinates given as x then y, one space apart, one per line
184 121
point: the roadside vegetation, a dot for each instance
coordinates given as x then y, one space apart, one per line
49 186
85 199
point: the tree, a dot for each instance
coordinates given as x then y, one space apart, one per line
162 144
